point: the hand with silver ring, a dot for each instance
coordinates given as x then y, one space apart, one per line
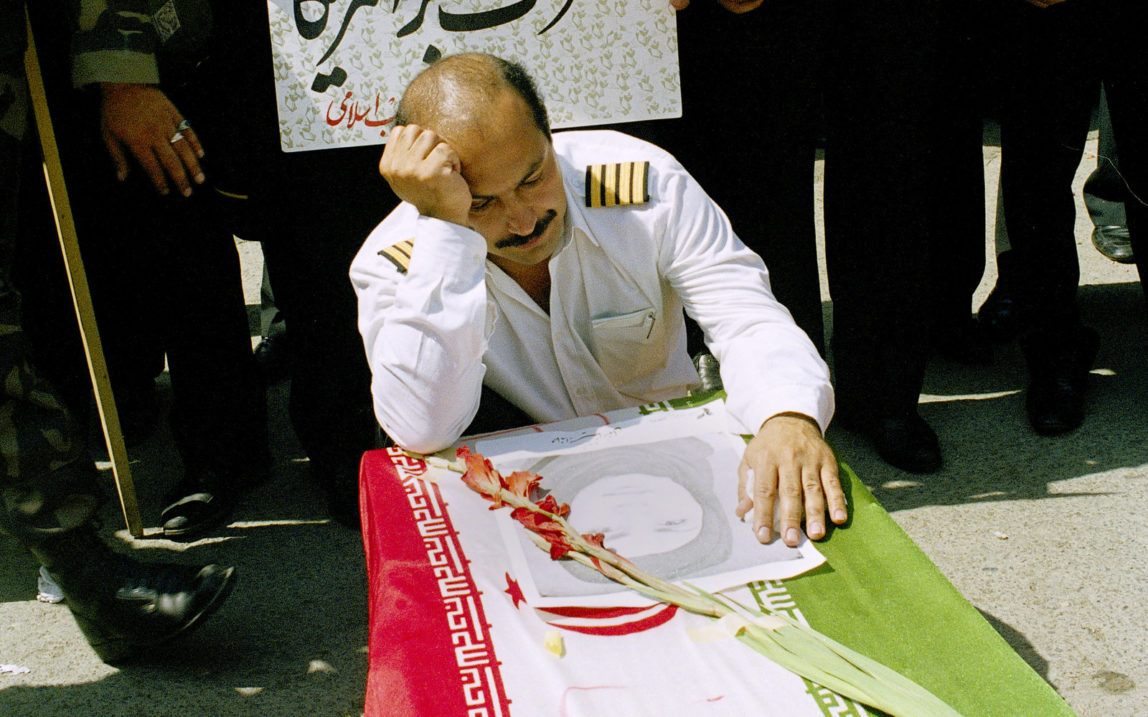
140 120
178 136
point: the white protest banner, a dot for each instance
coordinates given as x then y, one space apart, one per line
341 65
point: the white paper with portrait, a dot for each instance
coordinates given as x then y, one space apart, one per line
662 487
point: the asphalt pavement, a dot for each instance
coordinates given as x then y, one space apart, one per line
1045 536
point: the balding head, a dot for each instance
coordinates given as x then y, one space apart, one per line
457 94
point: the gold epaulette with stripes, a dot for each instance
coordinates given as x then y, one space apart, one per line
399 254
615 185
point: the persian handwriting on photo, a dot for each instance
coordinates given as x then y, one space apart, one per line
566 439
597 435
349 110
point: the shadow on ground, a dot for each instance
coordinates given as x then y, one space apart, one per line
291 639
990 452
1020 643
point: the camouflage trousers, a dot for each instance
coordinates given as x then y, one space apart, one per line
48 483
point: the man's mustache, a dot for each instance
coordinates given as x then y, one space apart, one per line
519 239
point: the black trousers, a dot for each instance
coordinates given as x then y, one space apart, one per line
904 207
308 249
311 211
1051 65
752 95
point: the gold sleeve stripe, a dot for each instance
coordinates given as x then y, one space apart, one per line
612 185
399 255
594 196
625 192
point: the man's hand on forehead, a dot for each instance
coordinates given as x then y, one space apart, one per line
425 171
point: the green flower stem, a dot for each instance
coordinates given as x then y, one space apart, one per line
676 595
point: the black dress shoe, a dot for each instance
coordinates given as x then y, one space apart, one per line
122 604
273 358
203 500
1058 365
1114 242
906 442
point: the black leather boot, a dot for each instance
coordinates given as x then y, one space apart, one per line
122 604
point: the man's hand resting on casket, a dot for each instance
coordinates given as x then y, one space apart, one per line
789 462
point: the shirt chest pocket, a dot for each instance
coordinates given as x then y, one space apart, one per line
626 345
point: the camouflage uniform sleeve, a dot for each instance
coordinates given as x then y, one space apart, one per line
12 40
13 98
113 42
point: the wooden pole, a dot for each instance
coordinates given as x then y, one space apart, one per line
81 296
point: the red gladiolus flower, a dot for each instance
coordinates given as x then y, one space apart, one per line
550 530
535 522
558 547
550 505
481 477
522 483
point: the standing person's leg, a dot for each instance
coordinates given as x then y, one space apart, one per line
218 416
330 402
751 87
311 211
1043 129
877 258
271 355
165 268
1105 193
308 247
1126 76
49 495
955 238
181 263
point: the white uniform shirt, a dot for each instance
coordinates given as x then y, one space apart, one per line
614 336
